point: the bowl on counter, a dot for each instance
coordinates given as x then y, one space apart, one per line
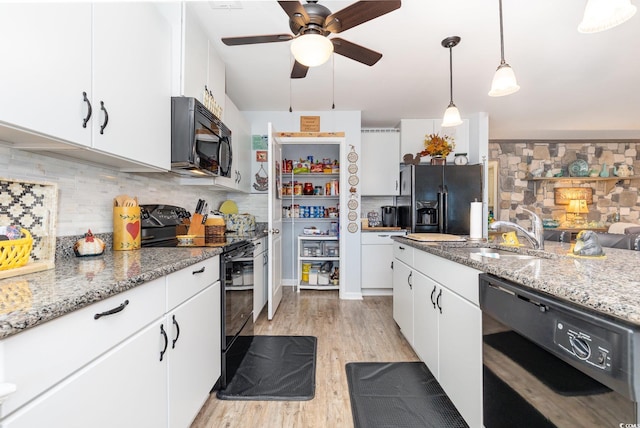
185 239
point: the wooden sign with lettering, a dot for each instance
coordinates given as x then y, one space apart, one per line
310 123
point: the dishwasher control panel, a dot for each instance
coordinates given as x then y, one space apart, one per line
583 345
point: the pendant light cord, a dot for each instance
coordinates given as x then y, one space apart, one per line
450 76
501 36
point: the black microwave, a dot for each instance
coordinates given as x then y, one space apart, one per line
200 142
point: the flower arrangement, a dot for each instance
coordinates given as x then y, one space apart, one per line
436 145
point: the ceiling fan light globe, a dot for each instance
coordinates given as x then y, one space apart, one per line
451 116
311 49
600 15
504 82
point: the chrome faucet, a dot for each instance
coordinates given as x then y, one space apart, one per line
535 236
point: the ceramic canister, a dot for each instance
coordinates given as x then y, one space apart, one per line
126 228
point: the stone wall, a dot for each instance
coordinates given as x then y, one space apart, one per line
519 160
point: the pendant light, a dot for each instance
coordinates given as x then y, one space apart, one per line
504 81
451 114
600 15
311 49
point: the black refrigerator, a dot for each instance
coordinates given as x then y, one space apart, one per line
437 198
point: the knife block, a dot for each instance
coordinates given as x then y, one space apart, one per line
196 227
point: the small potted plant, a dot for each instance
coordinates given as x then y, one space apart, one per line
438 147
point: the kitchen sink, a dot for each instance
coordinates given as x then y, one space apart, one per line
497 254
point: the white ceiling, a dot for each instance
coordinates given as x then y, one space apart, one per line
572 85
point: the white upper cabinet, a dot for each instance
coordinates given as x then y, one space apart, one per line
46 66
413 132
241 150
132 81
124 71
200 64
380 162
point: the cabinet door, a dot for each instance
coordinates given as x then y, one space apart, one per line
403 298
195 348
380 163
241 150
259 295
124 387
195 51
460 372
376 266
412 134
216 78
132 80
425 316
46 66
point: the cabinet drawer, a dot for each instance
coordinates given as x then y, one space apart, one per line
259 246
40 357
461 279
187 282
403 252
376 238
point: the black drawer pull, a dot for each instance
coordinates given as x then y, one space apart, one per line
166 341
86 119
112 311
198 271
173 343
106 118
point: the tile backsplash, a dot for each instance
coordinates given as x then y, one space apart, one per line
86 191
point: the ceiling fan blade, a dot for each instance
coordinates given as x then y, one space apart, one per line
357 13
355 52
250 40
296 12
299 71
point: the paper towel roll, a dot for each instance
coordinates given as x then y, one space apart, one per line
475 220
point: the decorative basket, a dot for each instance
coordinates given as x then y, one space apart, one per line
15 252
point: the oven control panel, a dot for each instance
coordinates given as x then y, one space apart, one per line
584 346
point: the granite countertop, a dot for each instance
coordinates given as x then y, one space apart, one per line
30 300
608 285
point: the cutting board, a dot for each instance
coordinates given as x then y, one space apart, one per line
434 237
382 228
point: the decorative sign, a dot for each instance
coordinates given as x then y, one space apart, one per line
310 123
563 195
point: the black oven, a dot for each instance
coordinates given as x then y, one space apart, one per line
200 142
548 363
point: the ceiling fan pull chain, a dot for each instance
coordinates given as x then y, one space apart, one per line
333 82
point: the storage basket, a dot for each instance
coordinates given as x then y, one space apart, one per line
15 252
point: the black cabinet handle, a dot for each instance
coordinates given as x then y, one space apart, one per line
391 264
166 341
409 280
173 343
86 119
198 271
401 247
438 300
112 311
106 117
432 293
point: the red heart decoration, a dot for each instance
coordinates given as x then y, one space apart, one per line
133 229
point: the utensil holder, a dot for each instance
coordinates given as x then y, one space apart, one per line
126 228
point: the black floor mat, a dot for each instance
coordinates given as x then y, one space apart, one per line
550 370
276 368
399 395
511 409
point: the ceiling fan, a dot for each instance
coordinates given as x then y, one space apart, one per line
313 22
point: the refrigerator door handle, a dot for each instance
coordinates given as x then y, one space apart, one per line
440 211
445 210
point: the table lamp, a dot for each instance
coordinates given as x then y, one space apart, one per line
577 207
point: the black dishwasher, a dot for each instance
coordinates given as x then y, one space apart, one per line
549 363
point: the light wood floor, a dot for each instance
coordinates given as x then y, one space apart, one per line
347 331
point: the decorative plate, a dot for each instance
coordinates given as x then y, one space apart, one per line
352 157
353 168
352 216
353 180
579 168
352 227
352 204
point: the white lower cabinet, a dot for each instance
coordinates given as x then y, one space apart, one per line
377 261
260 259
445 328
193 354
403 298
125 387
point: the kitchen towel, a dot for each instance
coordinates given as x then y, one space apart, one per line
475 216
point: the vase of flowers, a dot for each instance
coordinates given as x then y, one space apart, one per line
438 147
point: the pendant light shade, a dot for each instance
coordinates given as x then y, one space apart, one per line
451 114
311 49
600 15
504 81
